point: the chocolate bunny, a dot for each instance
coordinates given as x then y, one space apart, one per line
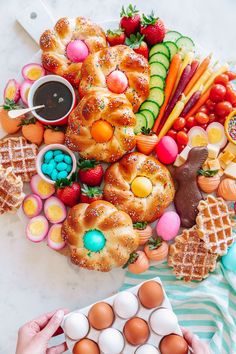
188 194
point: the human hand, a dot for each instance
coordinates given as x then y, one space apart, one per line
34 336
197 346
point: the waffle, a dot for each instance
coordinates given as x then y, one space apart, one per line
190 258
17 153
214 225
11 195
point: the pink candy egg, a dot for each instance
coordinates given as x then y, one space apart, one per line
167 150
168 225
77 51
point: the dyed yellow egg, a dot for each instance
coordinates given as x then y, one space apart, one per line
141 187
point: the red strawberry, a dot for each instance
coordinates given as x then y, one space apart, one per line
137 44
90 172
90 194
115 37
68 191
130 20
153 29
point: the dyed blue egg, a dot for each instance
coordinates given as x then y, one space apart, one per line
62 174
48 156
68 159
54 175
69 168
57 152
50 168
44 168
52 162
229 260
61 166
59 157
94 240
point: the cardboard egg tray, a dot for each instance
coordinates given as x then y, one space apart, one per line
119 323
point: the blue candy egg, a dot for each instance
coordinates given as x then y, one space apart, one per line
50 168
48 156
229 260
59 157
52 162
69 168
62 174
68 159
94 240
44 168
54 175
61 166
57 152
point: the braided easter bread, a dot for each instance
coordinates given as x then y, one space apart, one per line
100 237
56 57
98 66
101 127
139 185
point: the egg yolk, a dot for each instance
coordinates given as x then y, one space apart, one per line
54 212
34 74
101 131
55 235
10 93
215 135
141 187
36 228
44 188
30 206
199 140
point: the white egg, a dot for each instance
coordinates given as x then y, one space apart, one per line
76 326
147 349
111 341
216 134
126 304
163 321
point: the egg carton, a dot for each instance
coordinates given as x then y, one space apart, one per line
144 313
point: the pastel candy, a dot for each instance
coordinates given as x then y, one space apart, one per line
67 159
59 157
48 156
61 166
50 168
44 168
54 175
229 260
52 162
69 168
168 225
62 174
57 152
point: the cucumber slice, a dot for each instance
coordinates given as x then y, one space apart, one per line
185 44
157 95
157 81
161 58
150 117
172 36
172 47
141 121
158 69
150 106
159 48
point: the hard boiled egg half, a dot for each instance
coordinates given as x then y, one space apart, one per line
214 134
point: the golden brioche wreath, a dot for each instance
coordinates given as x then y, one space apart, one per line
107 233
119 177
102 105
98 66
53 44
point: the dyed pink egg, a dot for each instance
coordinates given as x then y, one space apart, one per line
167 150
117 81
168 225
77 51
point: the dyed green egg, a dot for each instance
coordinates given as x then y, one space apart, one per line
94 240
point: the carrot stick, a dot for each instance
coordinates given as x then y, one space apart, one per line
199 103
170 81
187 60
200 70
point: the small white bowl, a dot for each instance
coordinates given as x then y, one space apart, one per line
39 160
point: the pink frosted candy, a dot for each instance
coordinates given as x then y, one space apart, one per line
77 51
167 150
168 225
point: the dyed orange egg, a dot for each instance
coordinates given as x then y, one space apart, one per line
136 331
151 294
101 315
86 346
101 131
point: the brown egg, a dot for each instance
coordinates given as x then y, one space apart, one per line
101 315
86 346
136 331
151 294
173 344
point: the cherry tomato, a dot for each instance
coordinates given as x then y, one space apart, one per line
217 93
230 95
180 148
231 75
223 109
210 105
204 126
172 133
179 123
182 138
222 79
221 120
202 118
203 109
190 122
212 117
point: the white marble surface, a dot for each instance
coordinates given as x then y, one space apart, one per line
34 279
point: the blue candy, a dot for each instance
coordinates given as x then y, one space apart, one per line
61 166
54 175
69 168
62 174
59 157
57 152
52 162
48 156
50 168
44 168
68 159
